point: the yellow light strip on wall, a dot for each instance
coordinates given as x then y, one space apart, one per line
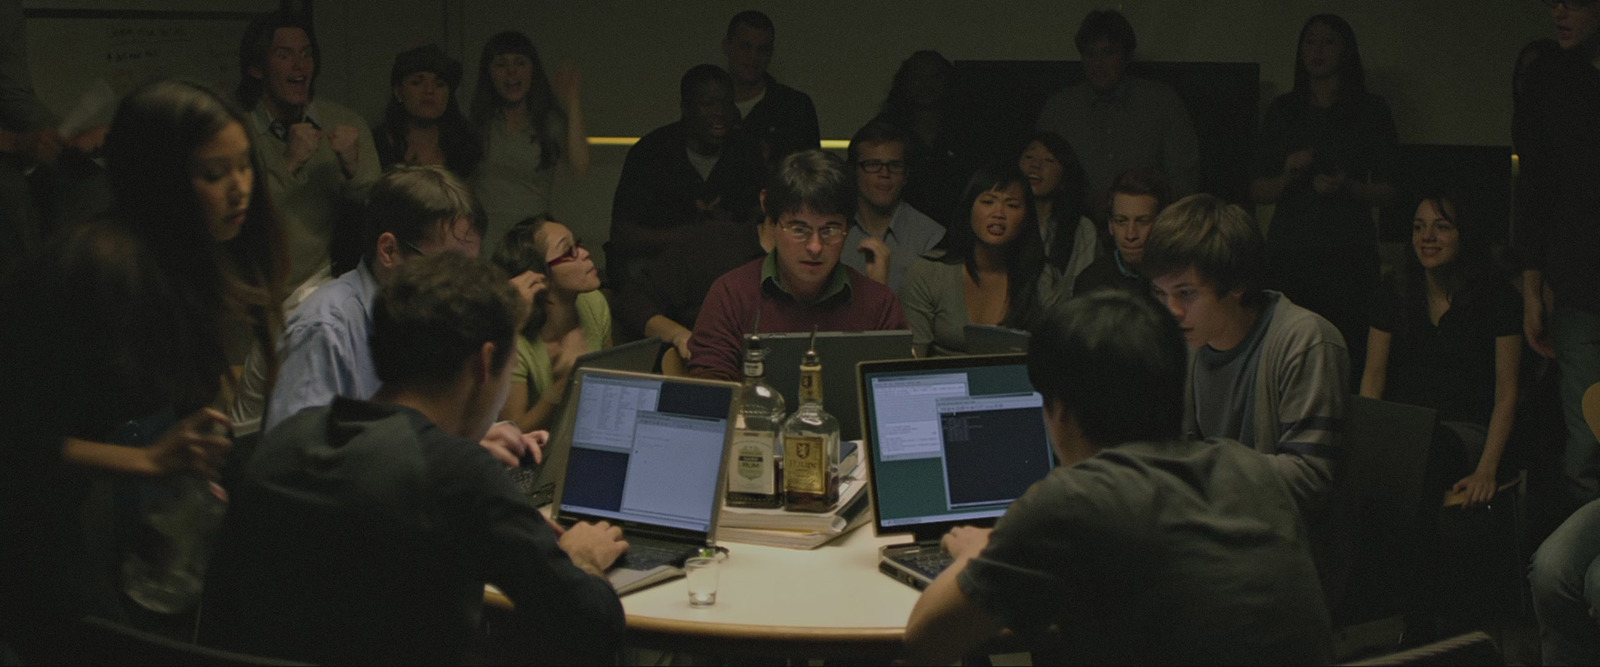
832 144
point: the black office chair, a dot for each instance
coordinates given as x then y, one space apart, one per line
1386 463
1474 648
102 642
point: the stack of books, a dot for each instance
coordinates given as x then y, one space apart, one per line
803 530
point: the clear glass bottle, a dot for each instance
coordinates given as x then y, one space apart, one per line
811 445
755 465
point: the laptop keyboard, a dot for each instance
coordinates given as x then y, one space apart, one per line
647 556
929 562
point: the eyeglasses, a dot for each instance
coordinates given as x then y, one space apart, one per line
413 248
571 255
1569 4
876 166
799 231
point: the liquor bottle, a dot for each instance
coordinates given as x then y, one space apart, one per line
755 468
811 444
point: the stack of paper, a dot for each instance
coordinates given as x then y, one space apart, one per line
799 530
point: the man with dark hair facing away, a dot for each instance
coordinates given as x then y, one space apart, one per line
1143 547
364 531
1117 122
800 285
318 155
781 119
681 172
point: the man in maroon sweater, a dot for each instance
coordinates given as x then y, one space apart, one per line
800 284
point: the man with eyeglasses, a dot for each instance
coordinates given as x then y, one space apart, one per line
1557 240
326 349
800 284
886 234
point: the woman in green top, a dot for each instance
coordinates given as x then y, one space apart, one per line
570 317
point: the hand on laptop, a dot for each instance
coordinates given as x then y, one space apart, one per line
509 445
965 541
593 547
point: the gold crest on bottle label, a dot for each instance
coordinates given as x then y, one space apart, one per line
805 464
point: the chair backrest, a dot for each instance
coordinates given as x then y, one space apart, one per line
1387 450
103 642
1473 648
1383 486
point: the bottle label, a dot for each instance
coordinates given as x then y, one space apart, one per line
805 464
811 383
754 369
751 470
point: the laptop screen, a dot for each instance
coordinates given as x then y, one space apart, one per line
647 449
953 440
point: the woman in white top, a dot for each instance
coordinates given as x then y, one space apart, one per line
527 128
1071 242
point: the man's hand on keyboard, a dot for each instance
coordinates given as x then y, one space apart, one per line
593 547
965 541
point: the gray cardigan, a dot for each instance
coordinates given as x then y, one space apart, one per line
935 302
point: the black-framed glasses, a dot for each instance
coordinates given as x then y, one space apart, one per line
413 248
1569 4
571 255
877 166
799 231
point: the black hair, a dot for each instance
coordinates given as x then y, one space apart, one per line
543 110
1352 75
518 254
411 202
1108 24
899 107
436 313
1463 278
1114 360
255 46
751 18
876 131
1024 257
697 75
813 179
461 146
1068 201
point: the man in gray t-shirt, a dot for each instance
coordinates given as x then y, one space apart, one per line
1142 547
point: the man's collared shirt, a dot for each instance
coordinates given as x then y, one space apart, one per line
326 349
911 234
772 284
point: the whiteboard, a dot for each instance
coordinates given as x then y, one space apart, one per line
82 60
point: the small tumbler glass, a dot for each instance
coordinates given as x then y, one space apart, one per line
702 576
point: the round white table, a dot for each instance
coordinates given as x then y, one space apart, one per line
829 602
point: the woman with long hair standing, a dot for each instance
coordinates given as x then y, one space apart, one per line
1323 159
118 343
527 128
422 124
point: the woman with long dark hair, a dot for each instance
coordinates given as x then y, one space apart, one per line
422 124
528 127
1323 159
118 343
1071 242
919 101
1447 336
993 271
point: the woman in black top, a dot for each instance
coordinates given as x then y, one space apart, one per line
920 100
1071 241
1447 336
422 124
116 342
1322 159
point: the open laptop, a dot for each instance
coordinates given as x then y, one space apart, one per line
840 352
647 455
991 339
952 441
639 356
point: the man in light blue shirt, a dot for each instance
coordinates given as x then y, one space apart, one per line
886 234
325 350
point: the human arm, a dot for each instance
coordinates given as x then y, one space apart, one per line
877 254
1481 485
945 624
718 339
920 303
540 414
671 332
1535 305
197 442
568 87
1376 372
359 161
1313 390
508 444
317 364
1267 189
